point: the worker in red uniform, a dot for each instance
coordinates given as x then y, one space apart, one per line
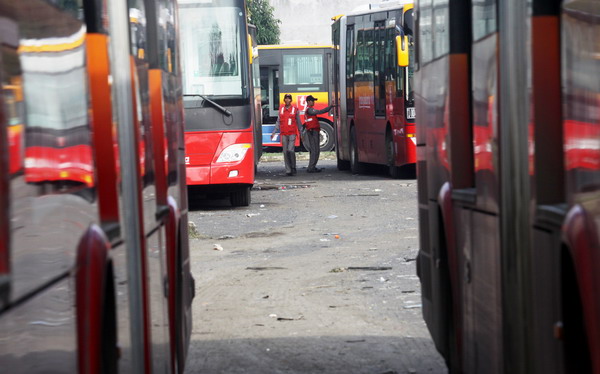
313 132
288 124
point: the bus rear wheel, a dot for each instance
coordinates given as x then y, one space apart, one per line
395 171
356 167
240 197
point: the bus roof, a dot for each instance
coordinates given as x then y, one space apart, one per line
378 7
292 46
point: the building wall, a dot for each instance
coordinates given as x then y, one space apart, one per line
310 21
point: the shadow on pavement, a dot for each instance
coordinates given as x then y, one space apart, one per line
315 354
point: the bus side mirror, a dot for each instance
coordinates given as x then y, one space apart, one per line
402 48
250 52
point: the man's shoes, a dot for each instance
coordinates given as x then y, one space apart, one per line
315 170
294 171
289 174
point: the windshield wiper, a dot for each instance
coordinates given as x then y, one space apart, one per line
219 107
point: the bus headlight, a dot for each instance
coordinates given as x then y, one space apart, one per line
233 153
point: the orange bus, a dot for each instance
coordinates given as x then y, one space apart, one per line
507 98
223 127
94 259
373 75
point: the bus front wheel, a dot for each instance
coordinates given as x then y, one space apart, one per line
240 197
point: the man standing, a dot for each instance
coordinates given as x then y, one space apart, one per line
313 132
288 124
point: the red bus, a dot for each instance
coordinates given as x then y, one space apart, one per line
223 127
375 120
508 101
94 259
299 70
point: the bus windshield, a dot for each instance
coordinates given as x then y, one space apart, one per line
302 69
212 59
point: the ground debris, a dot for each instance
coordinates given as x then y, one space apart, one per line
356 341
371 268
408 259
225 237
217 247
337 270
193 232
261 268
290 319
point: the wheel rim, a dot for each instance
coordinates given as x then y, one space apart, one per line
323 138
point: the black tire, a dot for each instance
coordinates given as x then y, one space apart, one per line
326 137
108 345
356 167
395 171
342 164
240 197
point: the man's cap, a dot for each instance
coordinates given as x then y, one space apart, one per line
310 98
287 95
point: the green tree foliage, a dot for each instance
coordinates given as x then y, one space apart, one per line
260 14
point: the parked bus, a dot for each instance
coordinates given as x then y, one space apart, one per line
508 96
373 74
94 267
299 70
223 129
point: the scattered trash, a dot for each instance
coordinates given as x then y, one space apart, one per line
217 247
290 319
406 259
252 214
265 297
332 306
356 341
262 205
409 218
337 236
412 306
258 324
333 216
273 315
382 279
325 240
260 268
362 194
377 190
224 237
408 291
193 231
366 287
373 268
337 270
